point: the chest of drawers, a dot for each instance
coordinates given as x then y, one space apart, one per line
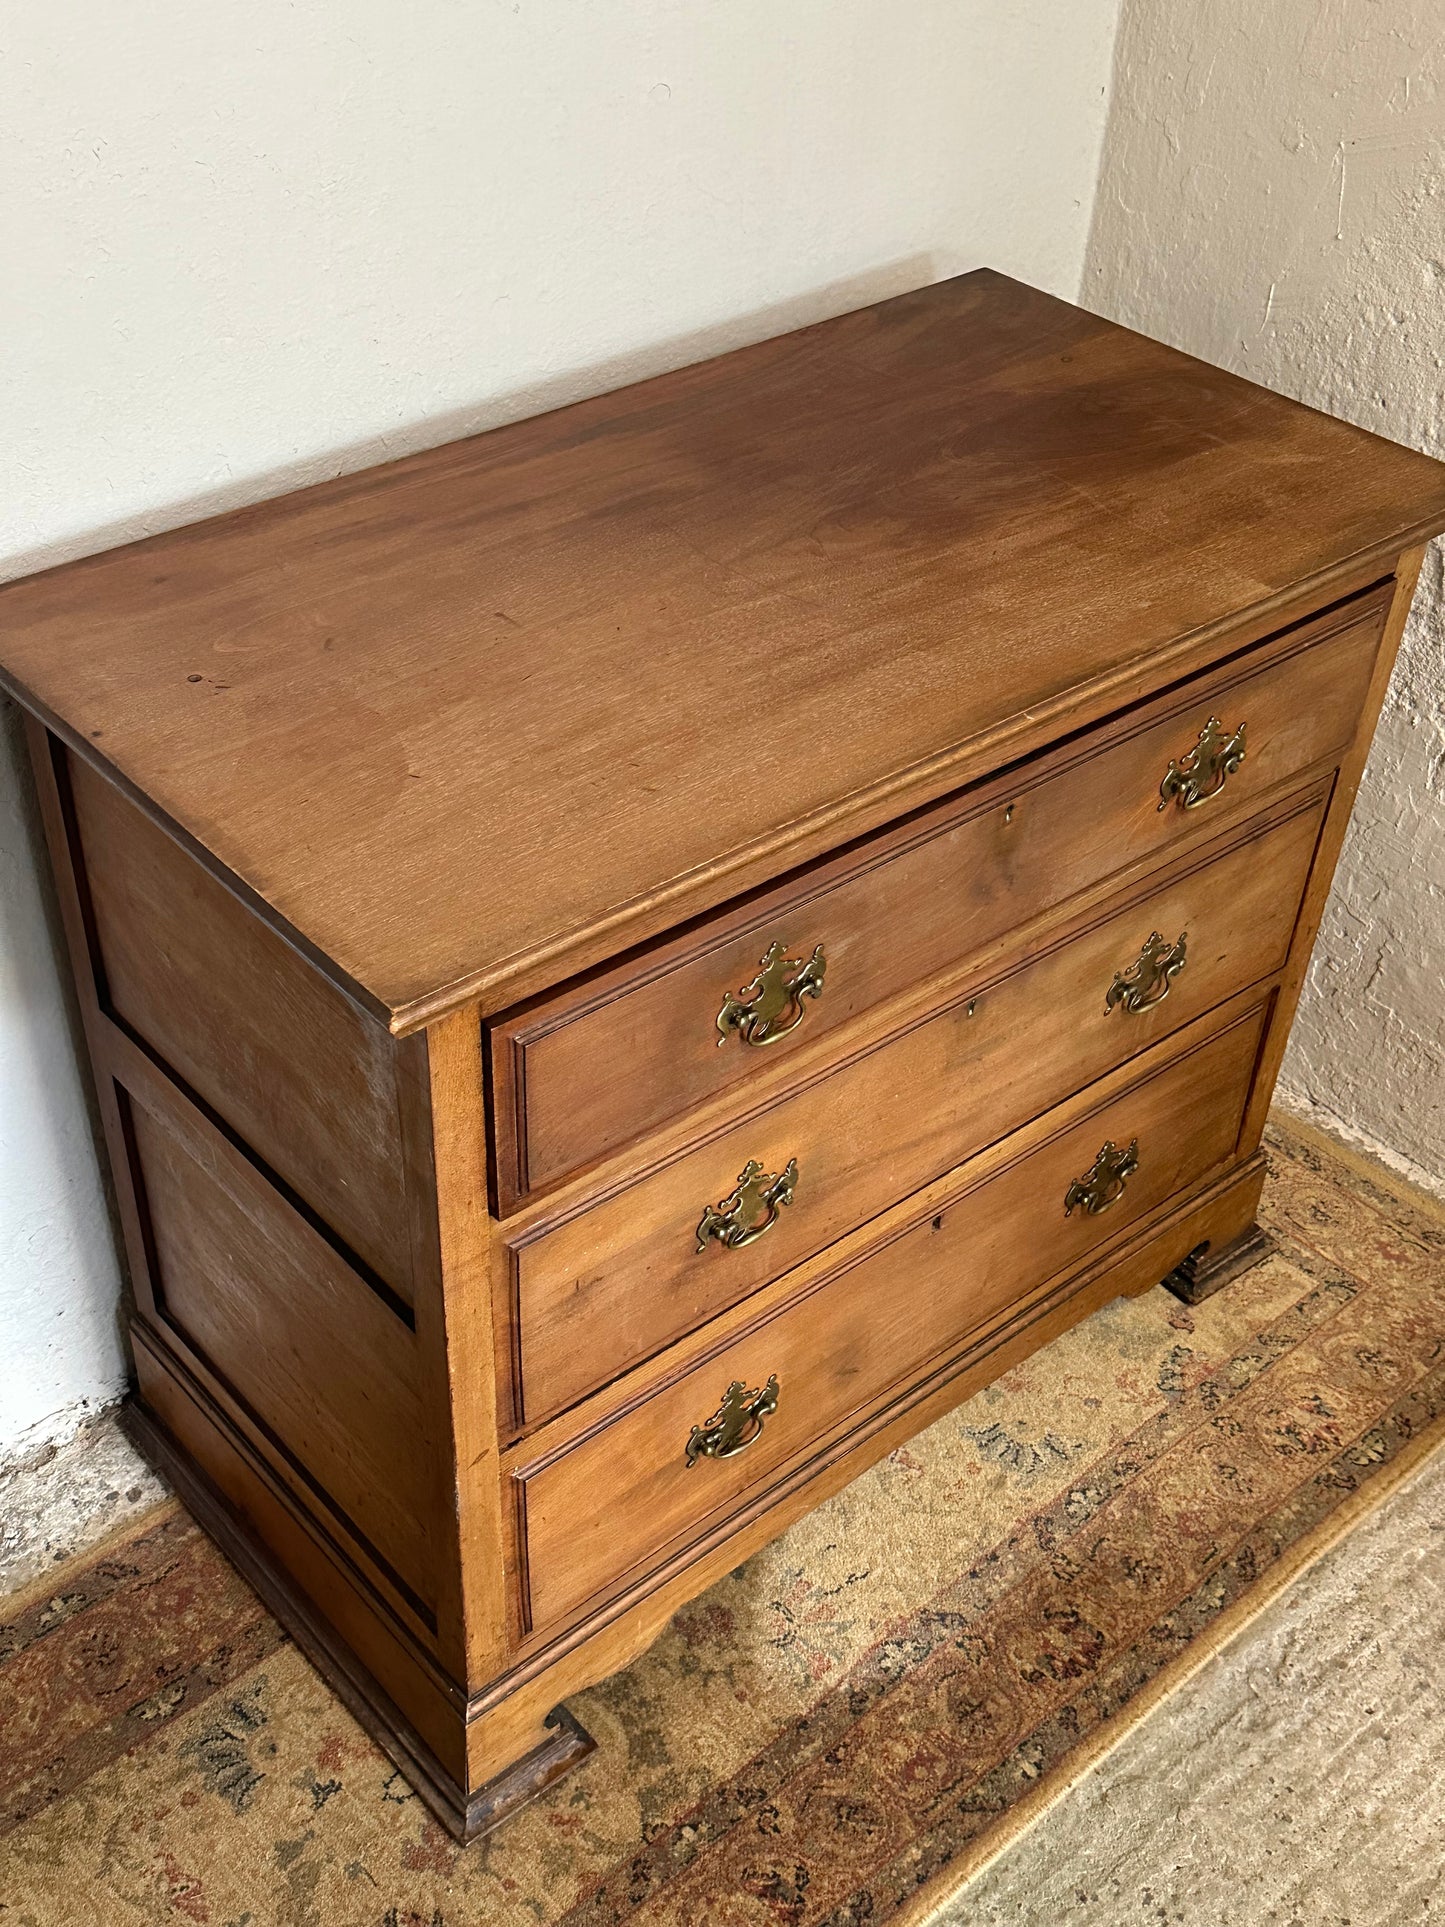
631 962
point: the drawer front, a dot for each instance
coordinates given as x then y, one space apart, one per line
624 1494
607 1288
589 1070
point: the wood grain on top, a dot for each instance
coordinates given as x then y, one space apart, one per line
475 719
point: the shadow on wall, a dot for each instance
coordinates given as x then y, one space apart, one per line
537 398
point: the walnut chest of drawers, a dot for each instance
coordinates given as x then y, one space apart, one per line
632 961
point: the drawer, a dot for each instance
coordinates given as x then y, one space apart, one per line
587 1070
608 1504
610 1285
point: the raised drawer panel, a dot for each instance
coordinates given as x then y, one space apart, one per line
584 1072
623 1494
608 1287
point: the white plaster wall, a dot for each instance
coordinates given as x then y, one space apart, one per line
60 1347
247 247
1272 198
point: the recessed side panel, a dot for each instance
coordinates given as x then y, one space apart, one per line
301 1076
324 1371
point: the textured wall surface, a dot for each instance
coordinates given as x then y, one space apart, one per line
1272 198
248 247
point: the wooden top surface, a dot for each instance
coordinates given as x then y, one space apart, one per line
470 721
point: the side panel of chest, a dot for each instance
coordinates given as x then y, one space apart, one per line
290 1068
270 1145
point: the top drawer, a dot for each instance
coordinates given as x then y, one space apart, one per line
585 1070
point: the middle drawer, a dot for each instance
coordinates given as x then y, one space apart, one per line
597 1290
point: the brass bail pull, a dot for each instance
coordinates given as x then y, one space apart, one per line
773 1004
1199 776
1103 1183
1146 981
752 1209
735 1424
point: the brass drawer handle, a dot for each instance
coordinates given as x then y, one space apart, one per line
1146 982
1103 1183
752 1209
735 1424
772 1004
1194 779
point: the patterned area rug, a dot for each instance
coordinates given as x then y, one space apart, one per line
836 1732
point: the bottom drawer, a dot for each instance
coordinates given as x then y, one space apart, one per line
641 1482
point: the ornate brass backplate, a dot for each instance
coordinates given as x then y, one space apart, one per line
1146 982
735 1424
1193 779
752 1209
772 1004
1103 1184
